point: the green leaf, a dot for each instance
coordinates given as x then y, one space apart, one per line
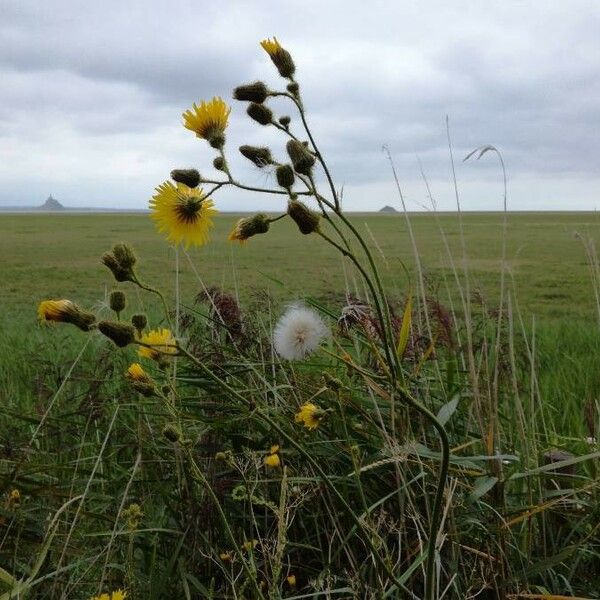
482 486
446 412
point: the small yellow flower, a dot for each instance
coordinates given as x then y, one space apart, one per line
280 56
273 461
208 121
291 579
310 415
183 213
135 372
274 449
225 556
14 498
162 341
116 595
249 545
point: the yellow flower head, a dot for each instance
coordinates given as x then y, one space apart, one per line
116 595
249 545
14 498
208 121
183 213
225 556
274 449
310 415
135 372
291 579
162 341
65 311
280 56
273 461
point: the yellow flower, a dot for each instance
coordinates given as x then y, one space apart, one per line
135 372
271 47
208 121
225 556
272 461
116 595
183 213
14 498
249 545
162 341
65 311
291 579
309 415
280 56
274 449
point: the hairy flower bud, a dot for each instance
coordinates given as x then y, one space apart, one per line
285 176
281 58
333 383
190 177
65 311
293 88
219 163
172 433
120 262
121 334
260 113
259 156
285 121
306 219
301 157
139 322
117 301
249 226
253 92
124 255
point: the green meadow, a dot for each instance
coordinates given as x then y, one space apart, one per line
119 489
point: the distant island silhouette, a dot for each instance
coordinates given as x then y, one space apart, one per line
388 209
51 204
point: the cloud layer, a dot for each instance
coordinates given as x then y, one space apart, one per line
92 94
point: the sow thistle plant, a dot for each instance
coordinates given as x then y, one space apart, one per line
370 359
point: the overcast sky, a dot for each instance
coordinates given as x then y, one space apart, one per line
91 96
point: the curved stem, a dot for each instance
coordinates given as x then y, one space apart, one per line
159 294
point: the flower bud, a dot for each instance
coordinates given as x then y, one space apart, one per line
285 121
332 382
65 311
253 92
124 255
249 226
293 88
172 433
285 176
306 219
219 163
121 334
189 177
259 156
117 301
281 58
139 322
301 157
260 113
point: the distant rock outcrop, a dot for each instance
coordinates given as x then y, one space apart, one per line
388 209
51 204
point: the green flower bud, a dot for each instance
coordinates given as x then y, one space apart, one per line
293 88
253 92
259 156
139 322
285 121
260 113
331 382
285 176
301 157
117 301
306 219
172 433
219 163
119 273
190 177
124 255
249 226
122 334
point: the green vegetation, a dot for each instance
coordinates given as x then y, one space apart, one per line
82 446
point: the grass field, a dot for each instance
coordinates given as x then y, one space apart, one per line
55 255
133 503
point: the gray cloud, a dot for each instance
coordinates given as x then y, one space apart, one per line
92 93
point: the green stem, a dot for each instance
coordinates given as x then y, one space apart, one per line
159 294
